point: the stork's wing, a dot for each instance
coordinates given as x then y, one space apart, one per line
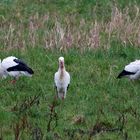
132 68
68 86
21 66
20 62
124 73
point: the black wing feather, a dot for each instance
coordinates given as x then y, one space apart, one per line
124 73
68 86
20 67
19 61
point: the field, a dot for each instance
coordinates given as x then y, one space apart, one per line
97 39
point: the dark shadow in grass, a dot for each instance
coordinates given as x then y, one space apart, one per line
52 115
21 111
37 133
100 127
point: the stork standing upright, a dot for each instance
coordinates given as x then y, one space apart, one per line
132 70
14 67
61 79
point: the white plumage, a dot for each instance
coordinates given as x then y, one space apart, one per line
62 79
132 70
14 67
2 71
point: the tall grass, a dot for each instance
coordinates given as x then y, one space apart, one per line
50 30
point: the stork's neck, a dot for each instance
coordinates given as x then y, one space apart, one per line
61 70
61 66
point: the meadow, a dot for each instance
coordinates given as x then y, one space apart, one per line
97 39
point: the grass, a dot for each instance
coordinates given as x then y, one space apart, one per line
97 39
94 93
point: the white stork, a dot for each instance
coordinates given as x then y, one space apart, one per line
132 71
61 79
14 67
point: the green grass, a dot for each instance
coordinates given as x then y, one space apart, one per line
94 89
95 95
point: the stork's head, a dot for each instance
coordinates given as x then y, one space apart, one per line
61 62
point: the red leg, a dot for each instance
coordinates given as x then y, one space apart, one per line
55 97
63 97
13 81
